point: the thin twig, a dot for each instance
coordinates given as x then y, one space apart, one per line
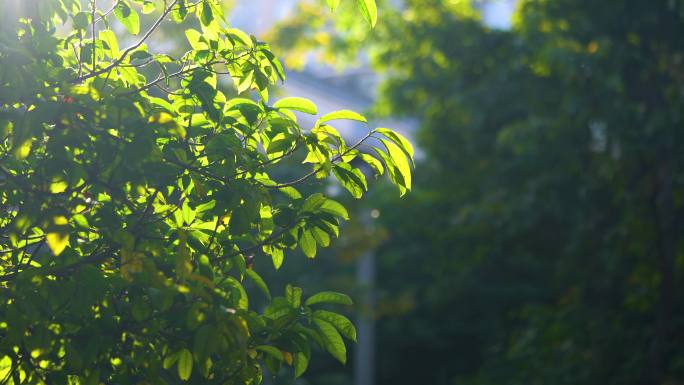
128 50
312 173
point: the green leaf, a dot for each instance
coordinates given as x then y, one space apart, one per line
206 14
297 104
184 364
307 243
243 301
301 362
271 351
261 284
400 161
57 237
399 140
127 16
313 202
329 297
278 308
333 341
179 12
341 114
394 174
110 38
277 255
369 10
342 323
170 360
81 20
374 163
194 37
333 4
335 208
188 213
148 7
293 294
351 179
321 237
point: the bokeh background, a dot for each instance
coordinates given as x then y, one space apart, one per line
542 243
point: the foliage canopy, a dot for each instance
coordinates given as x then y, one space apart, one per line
137 187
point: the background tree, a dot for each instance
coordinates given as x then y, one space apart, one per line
545 243
137 188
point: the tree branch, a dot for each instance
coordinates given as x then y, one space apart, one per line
312 173
128 50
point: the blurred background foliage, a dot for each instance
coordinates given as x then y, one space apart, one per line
542 242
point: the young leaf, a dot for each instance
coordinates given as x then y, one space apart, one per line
374 163
297 104
341 114
333 4
58 237
127 16
400 161
301 362
110 38
329 297
369 10
261 284
184 364
392 171
293 295
57 241
333 341
307 243
335 208
271 351
170 360
321 237
206 14
351 179
342 323
399 140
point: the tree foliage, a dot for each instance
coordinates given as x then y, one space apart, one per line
548 216
545 242
136 189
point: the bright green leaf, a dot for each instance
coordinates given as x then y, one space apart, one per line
342 323
308 244
333 341
293 295
184 364
128 16
109 37
297 104
301 362
335 208
341 114
333 4
400 161
369 11
399 140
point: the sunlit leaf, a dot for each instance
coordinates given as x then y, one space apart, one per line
297 104
128 16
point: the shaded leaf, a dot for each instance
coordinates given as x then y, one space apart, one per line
329 297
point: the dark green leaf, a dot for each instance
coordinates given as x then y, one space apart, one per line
329 297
